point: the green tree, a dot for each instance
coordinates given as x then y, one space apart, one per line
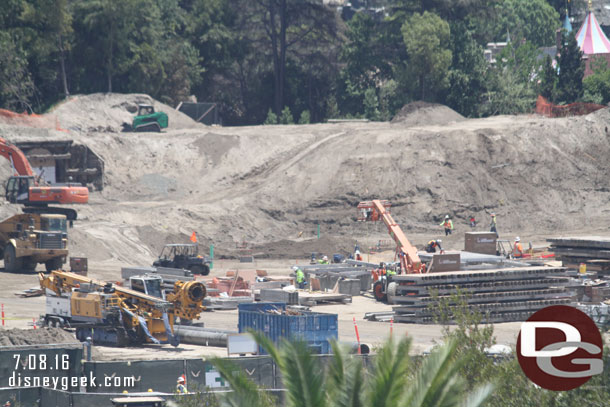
507 94
571 70
548 79
367 61
286 117
467 73
391 99
108 26
271 118
305 117
393 381
288 27
371 104
426 37
597 87
46 27
16 86
532 20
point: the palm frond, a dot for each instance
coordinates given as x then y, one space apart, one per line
478 396
244 391
302 375
387 383
349 394
268 346
335 372
433 379
438 383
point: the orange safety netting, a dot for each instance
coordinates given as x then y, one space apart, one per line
30 120
546 108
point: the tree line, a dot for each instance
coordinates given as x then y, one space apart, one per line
272 61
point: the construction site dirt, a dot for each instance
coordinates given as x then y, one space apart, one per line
287 191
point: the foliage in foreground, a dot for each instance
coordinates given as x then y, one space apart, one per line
473 336
393 379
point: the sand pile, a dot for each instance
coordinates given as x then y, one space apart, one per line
18 337
291 249
273 185
426 114
107 112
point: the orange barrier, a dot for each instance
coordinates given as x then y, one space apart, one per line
30 120
548 109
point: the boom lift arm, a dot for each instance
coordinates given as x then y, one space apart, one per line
380 209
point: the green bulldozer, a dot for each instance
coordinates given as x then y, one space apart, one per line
147 120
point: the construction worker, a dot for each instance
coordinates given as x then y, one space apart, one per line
433 244
389 271
323 260
447 224
300 277
180 386
357 254
517 248
493 225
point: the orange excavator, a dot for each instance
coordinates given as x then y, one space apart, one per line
410 262
25 188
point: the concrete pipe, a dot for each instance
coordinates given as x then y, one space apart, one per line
201 336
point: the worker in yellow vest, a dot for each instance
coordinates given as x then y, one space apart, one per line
447 224
299 277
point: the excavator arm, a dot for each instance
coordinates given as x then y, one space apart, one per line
18 160
380 210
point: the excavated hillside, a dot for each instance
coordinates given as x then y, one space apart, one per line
267 184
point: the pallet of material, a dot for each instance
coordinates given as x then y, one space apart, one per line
279 295
225 303
501 294
512 306
306 298
491 318
497 296
589 242
381 316
476 276
489 286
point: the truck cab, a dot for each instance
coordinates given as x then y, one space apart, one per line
148 284
29 239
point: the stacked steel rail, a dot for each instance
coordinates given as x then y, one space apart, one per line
501 295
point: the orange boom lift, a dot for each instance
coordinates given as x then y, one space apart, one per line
410 262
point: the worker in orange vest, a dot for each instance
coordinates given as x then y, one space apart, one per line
433 244
517 248
448 224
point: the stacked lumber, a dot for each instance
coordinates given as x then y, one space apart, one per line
502 295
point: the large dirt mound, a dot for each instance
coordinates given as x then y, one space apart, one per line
108 111
426 114
273 185
17 337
